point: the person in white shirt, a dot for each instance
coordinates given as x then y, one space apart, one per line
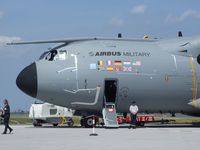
133 113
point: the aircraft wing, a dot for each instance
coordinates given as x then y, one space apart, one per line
66 41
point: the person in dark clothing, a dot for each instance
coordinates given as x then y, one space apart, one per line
6 116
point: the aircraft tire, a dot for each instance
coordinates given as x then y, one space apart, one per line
55 124
87 122
37 123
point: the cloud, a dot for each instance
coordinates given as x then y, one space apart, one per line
7 39
185 15
1 14
190 13
115 21
139 9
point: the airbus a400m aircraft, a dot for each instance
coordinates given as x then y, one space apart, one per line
160 75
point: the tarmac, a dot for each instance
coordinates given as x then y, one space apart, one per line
26 137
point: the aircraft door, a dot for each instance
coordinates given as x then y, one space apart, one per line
110 98
110 91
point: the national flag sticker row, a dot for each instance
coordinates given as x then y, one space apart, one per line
117 65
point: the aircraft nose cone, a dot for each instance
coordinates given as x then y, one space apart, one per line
27 80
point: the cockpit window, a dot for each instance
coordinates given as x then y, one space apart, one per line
62 55
43 55
54 55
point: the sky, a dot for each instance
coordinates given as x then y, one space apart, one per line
32 20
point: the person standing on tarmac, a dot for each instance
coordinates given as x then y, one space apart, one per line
6 116
133 112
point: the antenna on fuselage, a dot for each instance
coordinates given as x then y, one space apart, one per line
119 35
180 34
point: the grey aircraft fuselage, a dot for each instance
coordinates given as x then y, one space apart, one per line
160 75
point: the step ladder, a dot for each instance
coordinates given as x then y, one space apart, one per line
110 116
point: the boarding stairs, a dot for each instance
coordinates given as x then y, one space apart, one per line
110 116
